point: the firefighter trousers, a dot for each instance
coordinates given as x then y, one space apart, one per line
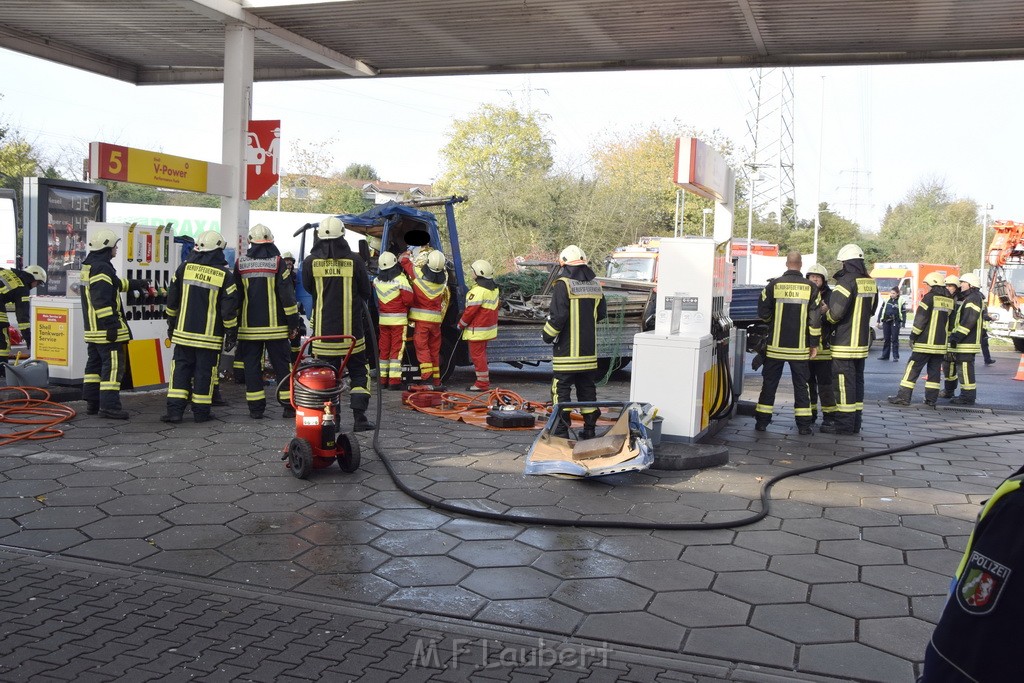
949 372
819 382
478 354
359 378
918 362
771 374
586 390
965 371
250 352
104 371
848 385
427 341
391 346
193 373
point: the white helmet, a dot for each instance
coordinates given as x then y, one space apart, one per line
850 252
104 239
572 256
971 279
287 255
435 261
330 228
37 273
260 233
953 280
482 268
934 278
387 260
817 269
210 241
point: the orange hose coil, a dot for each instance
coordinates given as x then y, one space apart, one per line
41 414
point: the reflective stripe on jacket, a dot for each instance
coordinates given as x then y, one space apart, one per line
576 306
790 303
202 302
394 297
853 300
480 318
268 299
931 322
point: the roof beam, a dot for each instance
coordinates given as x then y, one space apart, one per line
44 48
231 10
755 32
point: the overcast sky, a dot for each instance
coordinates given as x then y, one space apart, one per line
886 128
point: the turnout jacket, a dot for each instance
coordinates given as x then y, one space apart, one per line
101 298
267 293
429 291
14 289
967 325
394 296
790 305
931 322
337 279
202 301
850 306
825 343
479 320
577 304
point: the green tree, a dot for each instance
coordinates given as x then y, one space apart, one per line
930 225
360 172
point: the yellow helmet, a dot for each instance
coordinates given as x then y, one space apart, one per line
104 239
260 233
210 241
436 261
482 268
331 228
952 280
932 279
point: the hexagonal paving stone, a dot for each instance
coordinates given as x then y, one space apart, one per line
760 587
559 538
125 527
211 494
164 470
478 530
640 547
579 564
416 542
273 502
423 571
803 624
633 627
820 529
699 609
523 497
49 540
740 643
506 583
69 517
100 478
347 559
724 558
531 612
364 588
860 553
408 519
859 601
265 547
602 595
27 488
813 568
334 533
906 580
772 542
281 575
197 562
85 495
50 472
902 538
121 551
149 487
666 575
140 505
203 513
901 636
452 601
854 660
269 523
197 536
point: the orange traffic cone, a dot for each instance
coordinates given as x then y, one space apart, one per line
1020 369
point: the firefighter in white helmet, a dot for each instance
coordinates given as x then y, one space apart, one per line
927 343
337 279
949 364
430 289
479 321
965 337
820 382
202 319
577 304
394 297
15 286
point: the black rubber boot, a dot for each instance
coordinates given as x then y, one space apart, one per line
589 426
561 429
360 423
902 397
113 413
92 407
218 399
288 412
200 416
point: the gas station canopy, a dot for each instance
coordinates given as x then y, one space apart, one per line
182 41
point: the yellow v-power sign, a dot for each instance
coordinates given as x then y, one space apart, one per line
143 167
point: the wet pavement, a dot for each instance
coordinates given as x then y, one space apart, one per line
143 550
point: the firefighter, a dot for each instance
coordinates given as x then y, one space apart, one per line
394 297
949 365
430 289
106 330
820 380
336 277
577 305
15 286
927 343
980 629
891 318
202 319
790 305
296 340
965 337
853 300
269 318
479 321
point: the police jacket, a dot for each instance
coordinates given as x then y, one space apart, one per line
979 634
101 298
264 283
967 324
394 296
337 279
790 305
892 312
850 307
479 320
577 304
429 289
14 289
931 323
202 301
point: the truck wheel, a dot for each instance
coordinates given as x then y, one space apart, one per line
1018 344
348 449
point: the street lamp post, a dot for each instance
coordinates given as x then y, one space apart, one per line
754 177
704 229
984 234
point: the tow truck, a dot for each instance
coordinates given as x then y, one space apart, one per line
1006 256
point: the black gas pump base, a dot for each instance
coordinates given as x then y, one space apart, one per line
675 455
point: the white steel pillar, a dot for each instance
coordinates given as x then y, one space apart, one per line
238 75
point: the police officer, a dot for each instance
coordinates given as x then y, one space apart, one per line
394 297
336 278
430 290
949 367
820 380
927 342
269 317
891 317
15 286
850 306
202 318
577 305
479 321
790 305
965 337
106 330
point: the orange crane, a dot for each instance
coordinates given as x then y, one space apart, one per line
1006 257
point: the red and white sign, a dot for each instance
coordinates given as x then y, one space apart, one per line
262 157
701 170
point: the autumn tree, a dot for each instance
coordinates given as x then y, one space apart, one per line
360 172
930 225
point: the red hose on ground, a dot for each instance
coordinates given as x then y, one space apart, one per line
41 414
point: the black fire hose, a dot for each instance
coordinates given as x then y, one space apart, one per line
766 487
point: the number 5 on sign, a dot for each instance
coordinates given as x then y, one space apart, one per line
108 161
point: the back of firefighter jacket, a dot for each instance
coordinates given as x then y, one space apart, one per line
268 310
576 307
931 322
790 305
202 302
850 307
340 286
967 323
